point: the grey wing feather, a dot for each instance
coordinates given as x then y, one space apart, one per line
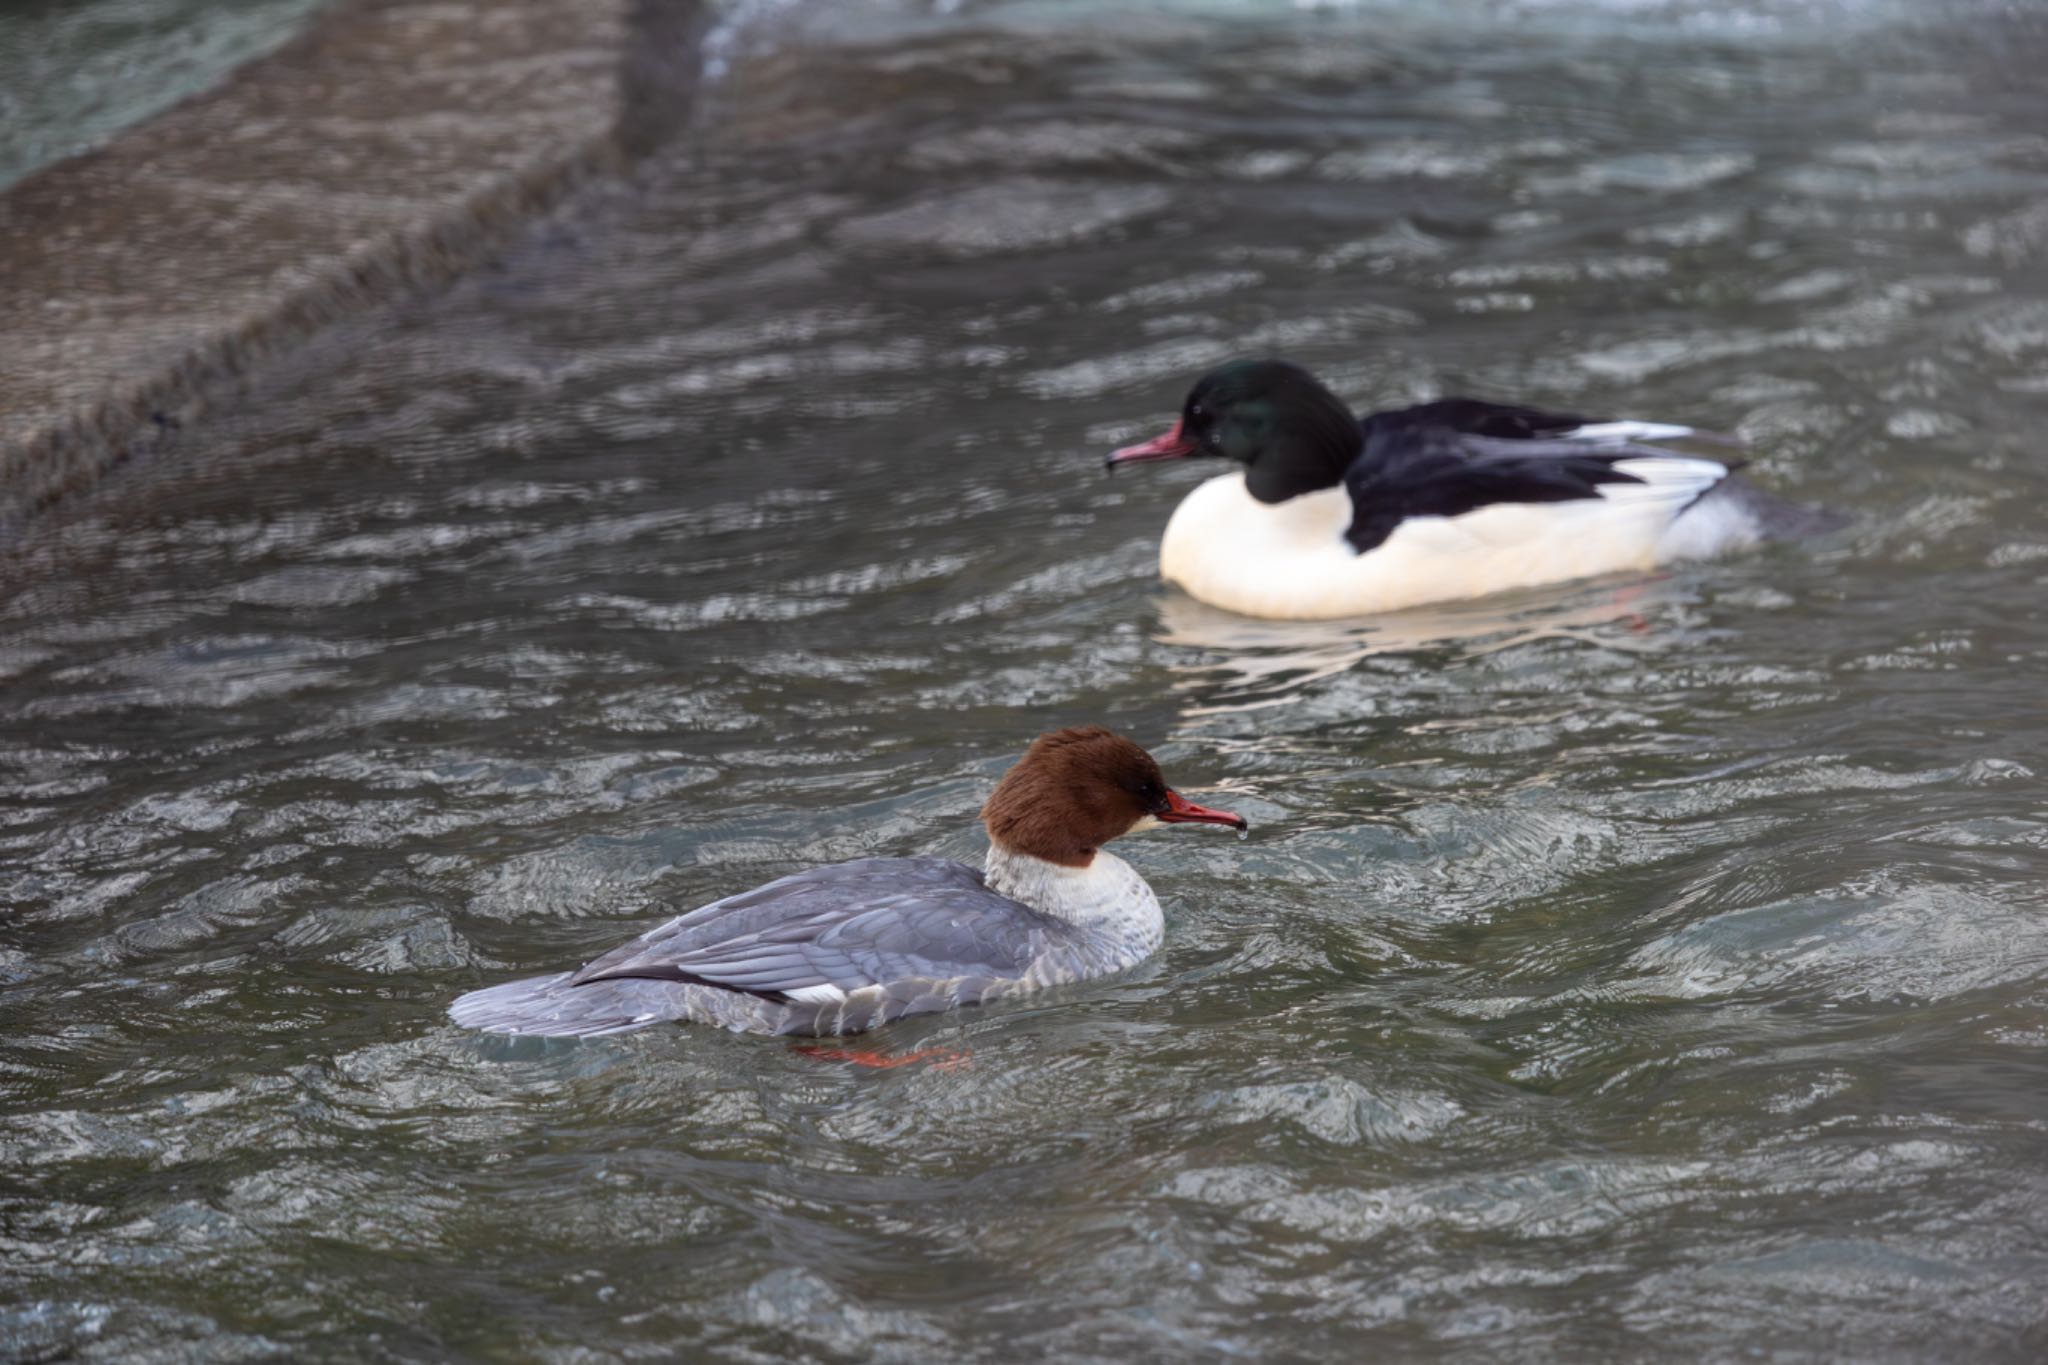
1565 448
550 1006
848 926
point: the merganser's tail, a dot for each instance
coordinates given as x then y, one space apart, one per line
549 1007
1776 517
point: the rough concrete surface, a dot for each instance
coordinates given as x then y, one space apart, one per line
382 148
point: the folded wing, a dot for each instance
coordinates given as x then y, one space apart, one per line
1459 455
827 932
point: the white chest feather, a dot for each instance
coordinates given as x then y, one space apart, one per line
1291 561
1106 896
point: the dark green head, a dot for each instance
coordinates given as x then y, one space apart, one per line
1291 434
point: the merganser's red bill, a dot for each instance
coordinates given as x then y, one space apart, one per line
1181 811
1174 445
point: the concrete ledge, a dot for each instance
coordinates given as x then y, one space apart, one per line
384 149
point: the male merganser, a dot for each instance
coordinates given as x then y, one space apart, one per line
1334 517
845 948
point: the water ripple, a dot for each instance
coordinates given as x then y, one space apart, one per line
1644 965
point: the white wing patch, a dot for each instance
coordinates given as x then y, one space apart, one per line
1619 433
1673 480
824 993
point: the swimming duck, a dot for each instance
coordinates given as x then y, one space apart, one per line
1332 516
846 947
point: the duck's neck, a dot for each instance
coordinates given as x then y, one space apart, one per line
1104 894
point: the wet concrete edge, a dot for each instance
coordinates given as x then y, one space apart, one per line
389 146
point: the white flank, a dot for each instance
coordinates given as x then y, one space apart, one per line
1291 561
1107 895
1714 527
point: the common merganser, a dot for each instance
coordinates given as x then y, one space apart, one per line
1333 516
844 948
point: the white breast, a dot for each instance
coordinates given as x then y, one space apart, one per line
1108 898
1291 561
1107 889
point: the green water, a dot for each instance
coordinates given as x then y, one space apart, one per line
74 74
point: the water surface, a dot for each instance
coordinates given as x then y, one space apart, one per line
1644 966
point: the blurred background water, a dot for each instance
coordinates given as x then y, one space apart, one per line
1643 966
73 72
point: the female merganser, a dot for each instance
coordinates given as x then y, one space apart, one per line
1333 517
844 948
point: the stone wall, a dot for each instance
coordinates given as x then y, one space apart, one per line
382 150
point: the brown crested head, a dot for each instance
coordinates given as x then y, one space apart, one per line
1075 790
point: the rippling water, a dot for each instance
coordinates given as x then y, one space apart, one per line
1638 966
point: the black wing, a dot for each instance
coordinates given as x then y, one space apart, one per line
846 926
1471 417
1457 455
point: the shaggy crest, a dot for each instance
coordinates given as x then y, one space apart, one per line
1072 792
